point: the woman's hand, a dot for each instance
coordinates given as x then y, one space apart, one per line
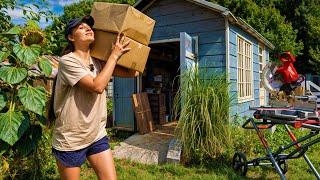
120 47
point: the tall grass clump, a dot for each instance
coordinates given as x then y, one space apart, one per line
202 108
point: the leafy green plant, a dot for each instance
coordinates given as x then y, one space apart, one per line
109 108
202 107
21 104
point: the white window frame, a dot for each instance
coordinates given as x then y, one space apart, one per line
262 55
245 83
263 63
109 89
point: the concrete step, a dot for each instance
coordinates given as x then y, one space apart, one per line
174 151
149 148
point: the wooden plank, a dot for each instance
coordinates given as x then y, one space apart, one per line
207 73
211 37
233 37
212 49
145 100
142 113
192 16
150 120
212 61
191 28
233 50
233 73
148 114
233 61
137 108
141 116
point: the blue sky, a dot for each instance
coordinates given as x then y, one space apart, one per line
55 5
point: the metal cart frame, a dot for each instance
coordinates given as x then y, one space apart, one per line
278 159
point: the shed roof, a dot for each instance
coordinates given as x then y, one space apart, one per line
144 4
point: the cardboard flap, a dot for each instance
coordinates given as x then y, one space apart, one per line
120 18
108 17
138 26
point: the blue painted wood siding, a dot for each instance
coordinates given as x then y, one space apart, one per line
242 109
173 17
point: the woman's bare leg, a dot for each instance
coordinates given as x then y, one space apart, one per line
103 165
68 173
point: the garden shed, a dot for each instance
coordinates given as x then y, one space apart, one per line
189 32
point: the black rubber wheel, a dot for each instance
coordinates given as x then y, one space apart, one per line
283 164
239 163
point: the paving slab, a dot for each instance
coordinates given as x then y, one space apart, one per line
149 148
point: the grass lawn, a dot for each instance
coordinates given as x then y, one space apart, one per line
128 170
219 169
298 169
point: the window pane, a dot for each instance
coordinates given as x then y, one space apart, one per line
245 68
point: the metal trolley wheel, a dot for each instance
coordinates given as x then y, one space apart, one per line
239 163
283 164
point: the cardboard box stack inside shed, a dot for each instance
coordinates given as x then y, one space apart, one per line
111 19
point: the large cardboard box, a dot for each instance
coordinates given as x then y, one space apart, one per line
122 18
124 72
135 59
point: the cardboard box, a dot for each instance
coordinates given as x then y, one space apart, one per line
135 59
122 18
124 72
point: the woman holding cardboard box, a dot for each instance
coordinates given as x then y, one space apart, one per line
79 104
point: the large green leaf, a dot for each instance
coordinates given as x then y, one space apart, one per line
4 55
13 31
13 75
33 99
28 142
12 126
3 100
33 24
27 54
45 66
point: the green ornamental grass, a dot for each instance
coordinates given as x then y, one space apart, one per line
202 108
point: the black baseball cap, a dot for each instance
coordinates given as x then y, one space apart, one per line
77 21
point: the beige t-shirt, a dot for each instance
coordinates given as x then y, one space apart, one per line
80 115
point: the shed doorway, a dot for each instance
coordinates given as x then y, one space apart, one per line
168 58
161 79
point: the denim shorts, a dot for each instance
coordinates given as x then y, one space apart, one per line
78 157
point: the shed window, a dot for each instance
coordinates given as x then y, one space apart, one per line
245 89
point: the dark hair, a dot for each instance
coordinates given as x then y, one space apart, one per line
68 49
51 114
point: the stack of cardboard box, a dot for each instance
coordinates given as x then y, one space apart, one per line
111 19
